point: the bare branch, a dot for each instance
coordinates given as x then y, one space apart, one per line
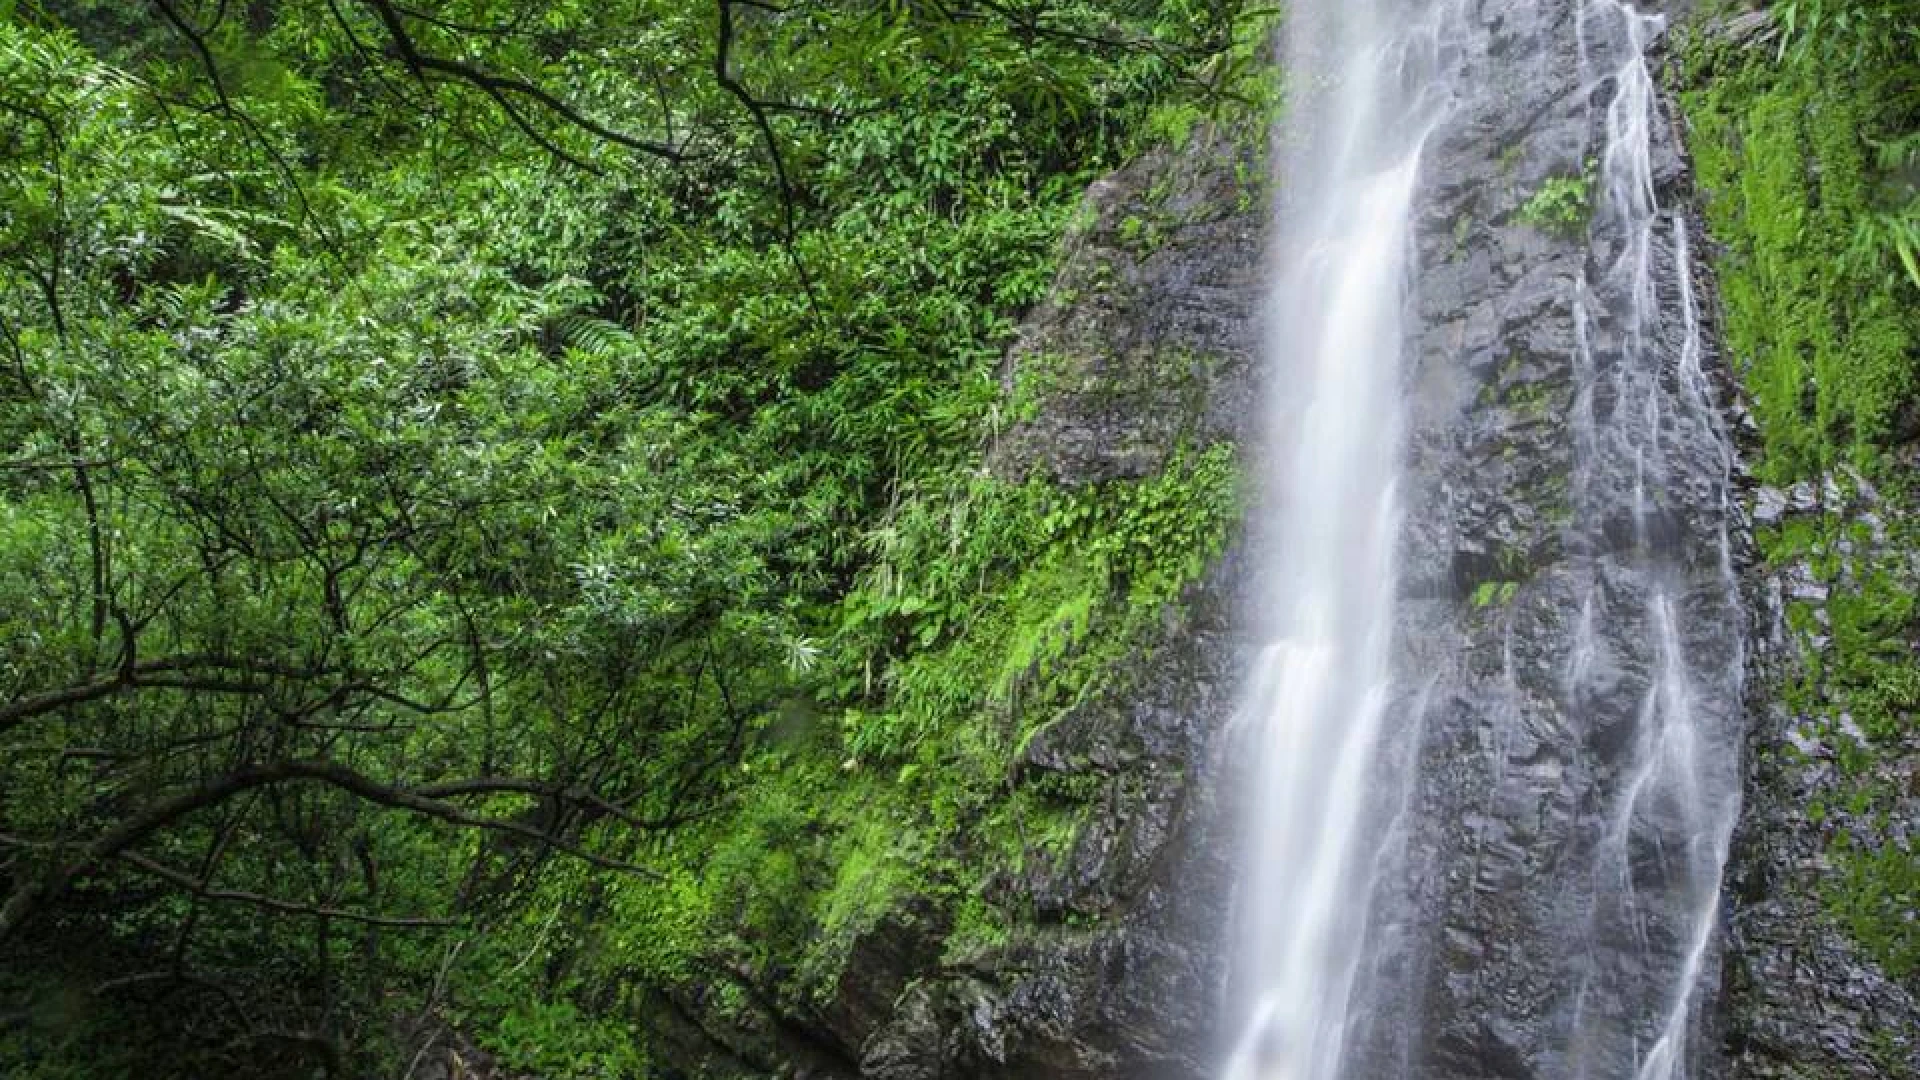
169 809
268 903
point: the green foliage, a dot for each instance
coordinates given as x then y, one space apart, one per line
1562 205
1494 593
427 456
1807 153
554 1038
983 594
1239 89
1808 161
1845 33
1875 896
989 610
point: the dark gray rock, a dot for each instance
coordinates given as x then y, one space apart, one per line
1147 338
1147 342
1117 973
1508 948
1803 1000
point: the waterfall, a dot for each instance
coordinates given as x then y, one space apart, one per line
1613 735
1316 709
1651 443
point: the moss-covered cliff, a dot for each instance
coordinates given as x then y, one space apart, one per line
1033 891
1805 130
1003 863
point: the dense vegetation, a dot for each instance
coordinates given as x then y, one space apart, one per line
491 519
1807 143
489 511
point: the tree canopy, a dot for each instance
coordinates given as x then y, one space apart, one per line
459 457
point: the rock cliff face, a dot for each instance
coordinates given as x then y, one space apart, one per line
1147 343
1567 607
1501 956
1804 1000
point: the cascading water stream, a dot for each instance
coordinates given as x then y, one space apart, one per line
1317 706
1631 737
1646 413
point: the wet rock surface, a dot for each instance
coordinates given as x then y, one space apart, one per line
1539 917
1803 1000
1148 341
1116 972
1146 344
1147 338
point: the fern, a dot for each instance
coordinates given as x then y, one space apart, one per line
595 337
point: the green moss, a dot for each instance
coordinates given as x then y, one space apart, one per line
978 927
874 862
1511 567
1462 228
1863 686
1824 331
1535 402
1038 377
1495 593
1142 234
1510 158
1875 895
1827 345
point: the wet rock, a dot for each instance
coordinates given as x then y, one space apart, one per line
1803 1000
1116 966
1145 343
878 968
1146 339
1116 972
1517 957
1770 506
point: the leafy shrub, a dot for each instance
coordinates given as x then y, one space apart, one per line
1562 205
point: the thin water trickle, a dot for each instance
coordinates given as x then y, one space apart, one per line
1658 864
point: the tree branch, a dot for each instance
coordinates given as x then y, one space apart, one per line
723 71
498 785
175 673
203 888
180 804
499 87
